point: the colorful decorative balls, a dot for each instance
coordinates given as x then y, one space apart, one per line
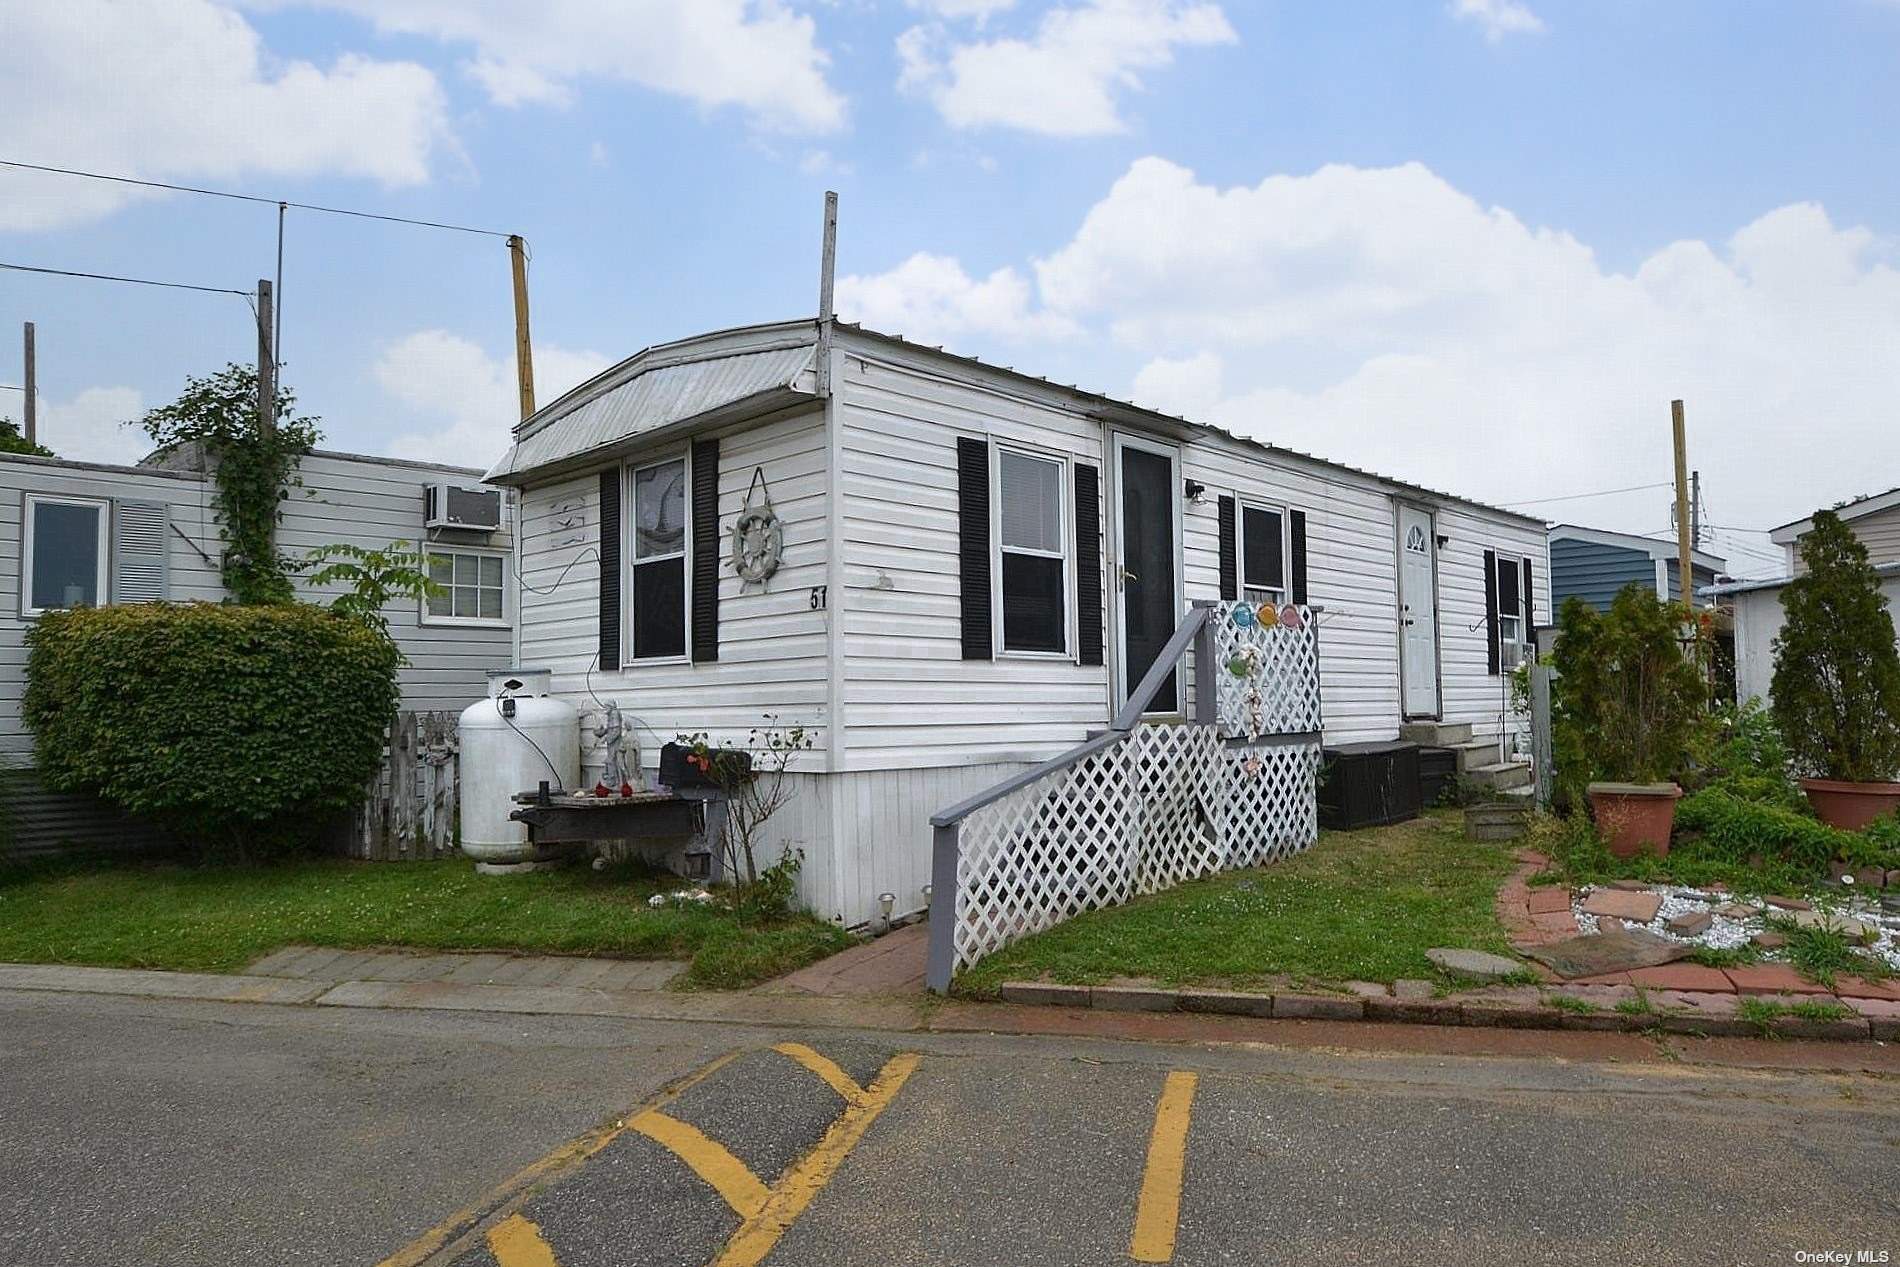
1290 617
1267 616
1243 615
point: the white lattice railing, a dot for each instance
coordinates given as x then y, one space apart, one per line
1146 805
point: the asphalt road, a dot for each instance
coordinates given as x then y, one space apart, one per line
144 1132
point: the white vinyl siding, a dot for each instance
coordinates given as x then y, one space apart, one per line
772 638
909 698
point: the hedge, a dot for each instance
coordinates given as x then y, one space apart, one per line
236 727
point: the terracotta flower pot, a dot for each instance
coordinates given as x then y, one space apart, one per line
1634 817
1851 806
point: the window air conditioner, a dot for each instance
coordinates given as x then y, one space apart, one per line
461 506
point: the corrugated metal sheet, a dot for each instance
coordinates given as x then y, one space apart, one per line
652 399
41 822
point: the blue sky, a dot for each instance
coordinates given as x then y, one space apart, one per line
1478 244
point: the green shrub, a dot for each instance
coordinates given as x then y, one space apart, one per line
1628 704
1736 830
1837 672
239 728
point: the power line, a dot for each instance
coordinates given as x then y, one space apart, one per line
1575 497
274 202
135 281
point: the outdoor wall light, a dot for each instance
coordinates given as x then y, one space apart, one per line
1196 492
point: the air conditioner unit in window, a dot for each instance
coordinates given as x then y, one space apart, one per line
1512 654
461 506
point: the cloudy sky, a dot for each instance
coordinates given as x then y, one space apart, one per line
1477 244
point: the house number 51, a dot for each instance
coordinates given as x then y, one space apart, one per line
817 598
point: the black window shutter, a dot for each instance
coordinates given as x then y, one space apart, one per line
1529 592
1296 529
1088 562
973 545
1491 611
1229 555
705 586
610 569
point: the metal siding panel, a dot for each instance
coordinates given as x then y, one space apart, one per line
654 399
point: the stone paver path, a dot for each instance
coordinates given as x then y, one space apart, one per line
892 964
315 963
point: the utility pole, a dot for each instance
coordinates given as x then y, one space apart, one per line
1685 581
266 362
827 273
32 388
524 348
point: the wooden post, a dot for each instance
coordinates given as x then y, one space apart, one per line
827 276
31 421
1685 582
524 347
266 362
1541 747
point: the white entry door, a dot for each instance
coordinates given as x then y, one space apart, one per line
1418 612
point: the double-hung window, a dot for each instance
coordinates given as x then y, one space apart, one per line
1263 553
1031 542
470 586
65 553
1510 600
659 560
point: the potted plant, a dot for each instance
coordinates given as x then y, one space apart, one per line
1628 706
1836 688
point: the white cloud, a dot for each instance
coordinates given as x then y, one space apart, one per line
978 11
96 425
1498 18
184 89
1384 318
472 395
932 299
1066 80
757 55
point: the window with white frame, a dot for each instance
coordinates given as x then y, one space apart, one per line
1512 630
471 586
1032 555
1263 553
658 588
64 553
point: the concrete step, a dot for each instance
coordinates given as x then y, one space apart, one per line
1435 734
1473 753
1502 775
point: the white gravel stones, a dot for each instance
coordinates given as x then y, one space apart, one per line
1726 932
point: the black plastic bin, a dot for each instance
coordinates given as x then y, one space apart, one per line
1368 785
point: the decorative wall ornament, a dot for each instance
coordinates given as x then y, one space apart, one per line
758 538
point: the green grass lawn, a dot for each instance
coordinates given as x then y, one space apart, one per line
1356 906
220 918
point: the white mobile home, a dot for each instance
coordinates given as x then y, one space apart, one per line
976 565
93 533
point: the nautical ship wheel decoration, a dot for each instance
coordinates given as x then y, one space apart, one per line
758 538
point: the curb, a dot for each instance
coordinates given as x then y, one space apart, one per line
1707 1015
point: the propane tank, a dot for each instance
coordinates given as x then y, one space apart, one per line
516 739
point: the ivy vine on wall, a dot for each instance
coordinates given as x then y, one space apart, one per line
254 470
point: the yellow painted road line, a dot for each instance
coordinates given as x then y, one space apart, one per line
574 1151
835 1078
760 1232
729 1177
515 1242
1159 1209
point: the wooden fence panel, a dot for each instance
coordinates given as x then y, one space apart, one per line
410 805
